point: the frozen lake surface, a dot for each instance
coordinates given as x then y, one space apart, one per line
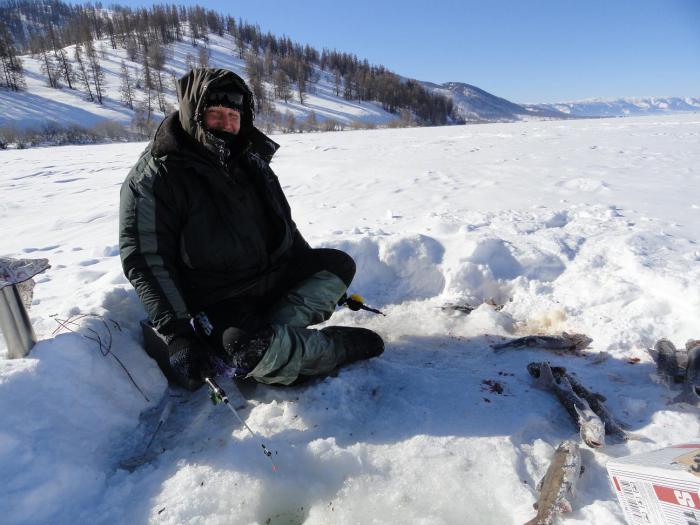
588 226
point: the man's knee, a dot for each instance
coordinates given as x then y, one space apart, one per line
337 262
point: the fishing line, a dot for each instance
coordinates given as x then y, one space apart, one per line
217 396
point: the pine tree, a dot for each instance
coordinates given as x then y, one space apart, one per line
17 74
48 67
12 70
111 33
301 82
156 58
98 76
83 73
268 64
203 57
189 61
173 80
358 83
337 81
66 68
141 120
132 48
282 85
240 44
262 101
253 66
147 83
347 87
127 86
10 63
290 122
160 91
63 67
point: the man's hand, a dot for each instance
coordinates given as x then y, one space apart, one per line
189 361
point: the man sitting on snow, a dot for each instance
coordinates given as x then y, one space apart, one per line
206 233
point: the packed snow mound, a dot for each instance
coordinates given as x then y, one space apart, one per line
440 428
396 269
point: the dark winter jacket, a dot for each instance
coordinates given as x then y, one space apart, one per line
197 223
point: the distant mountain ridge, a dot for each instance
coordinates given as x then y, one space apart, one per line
473 104
626 106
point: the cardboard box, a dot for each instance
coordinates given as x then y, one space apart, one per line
660 487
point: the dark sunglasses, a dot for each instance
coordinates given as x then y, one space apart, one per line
224 98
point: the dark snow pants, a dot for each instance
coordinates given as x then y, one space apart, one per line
308 295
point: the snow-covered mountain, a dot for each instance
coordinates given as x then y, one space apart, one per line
476 105
40 103
621 107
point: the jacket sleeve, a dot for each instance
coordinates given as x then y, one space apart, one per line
299 244
149 229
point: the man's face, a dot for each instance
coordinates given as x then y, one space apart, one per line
219 118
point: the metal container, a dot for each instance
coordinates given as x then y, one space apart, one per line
15 282
15 323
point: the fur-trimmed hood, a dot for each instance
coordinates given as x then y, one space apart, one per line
192 92
192 95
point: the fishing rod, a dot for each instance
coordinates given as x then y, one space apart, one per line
217 395
356 302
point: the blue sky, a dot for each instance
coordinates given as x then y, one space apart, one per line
525 51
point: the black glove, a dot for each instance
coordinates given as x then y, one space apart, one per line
189 361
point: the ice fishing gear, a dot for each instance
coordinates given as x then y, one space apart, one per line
355 302
217 395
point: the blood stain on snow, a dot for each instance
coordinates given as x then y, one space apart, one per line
492 386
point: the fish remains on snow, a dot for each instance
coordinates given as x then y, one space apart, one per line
558 484
595 400
591 426
679 366
565 341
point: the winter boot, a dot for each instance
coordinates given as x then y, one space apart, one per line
359 343
293 352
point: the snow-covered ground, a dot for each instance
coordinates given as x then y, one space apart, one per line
583 226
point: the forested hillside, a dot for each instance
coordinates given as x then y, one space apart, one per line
76 48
